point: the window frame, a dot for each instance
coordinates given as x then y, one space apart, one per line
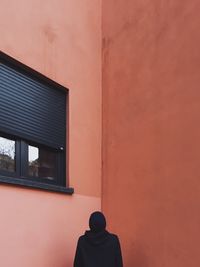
20 177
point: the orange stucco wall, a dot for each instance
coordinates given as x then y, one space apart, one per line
150 128
62 40
41 229
151 99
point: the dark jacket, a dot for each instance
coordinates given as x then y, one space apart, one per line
98 250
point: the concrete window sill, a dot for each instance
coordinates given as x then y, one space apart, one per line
36 185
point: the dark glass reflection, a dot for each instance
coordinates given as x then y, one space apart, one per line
42 163
7 154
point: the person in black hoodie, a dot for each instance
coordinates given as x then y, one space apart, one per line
98 247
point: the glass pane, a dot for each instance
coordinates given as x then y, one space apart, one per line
7 154
41 163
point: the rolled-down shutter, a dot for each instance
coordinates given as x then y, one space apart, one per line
31 109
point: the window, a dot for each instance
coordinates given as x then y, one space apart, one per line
7 155
32 128
42 163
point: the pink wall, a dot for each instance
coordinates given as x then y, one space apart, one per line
62 40
150 128
151 100
41 229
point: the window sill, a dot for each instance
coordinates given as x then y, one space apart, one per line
36 185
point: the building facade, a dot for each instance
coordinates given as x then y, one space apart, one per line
132 73
61 40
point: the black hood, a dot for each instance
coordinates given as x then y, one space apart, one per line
96 238
97 222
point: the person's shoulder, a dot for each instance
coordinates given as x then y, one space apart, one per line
81 238
113 237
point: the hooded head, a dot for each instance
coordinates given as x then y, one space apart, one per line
97 222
